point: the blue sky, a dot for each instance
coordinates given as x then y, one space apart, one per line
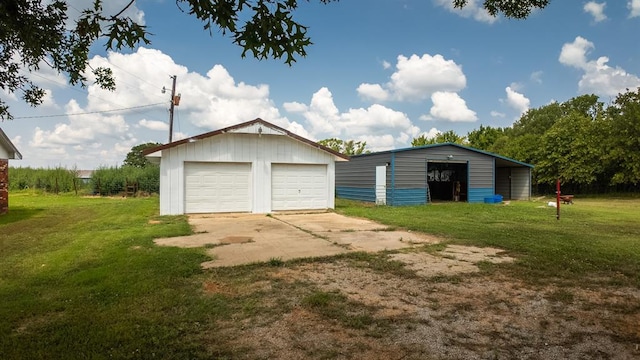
381 71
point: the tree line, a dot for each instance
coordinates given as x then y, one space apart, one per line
590 146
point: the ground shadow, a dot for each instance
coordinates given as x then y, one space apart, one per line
19 213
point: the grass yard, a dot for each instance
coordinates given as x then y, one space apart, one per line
595 239
81 278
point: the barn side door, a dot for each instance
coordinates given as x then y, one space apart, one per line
381 185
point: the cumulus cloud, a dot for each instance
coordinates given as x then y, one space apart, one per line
497 114
417 78
386 64
372 91
451 107
294 107
154 125
634 8
517 100
373 124
596 10
473 9
208 102
598 78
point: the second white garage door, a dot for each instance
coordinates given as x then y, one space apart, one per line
299 187
217 187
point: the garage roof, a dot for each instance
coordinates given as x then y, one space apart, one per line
156 151
6 144
501 161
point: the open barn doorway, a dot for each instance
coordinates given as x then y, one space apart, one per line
448 181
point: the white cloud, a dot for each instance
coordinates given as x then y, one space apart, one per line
575 53
16 140
536 77
294 107
374 124
208 102
497 114
451 107
154 125
473 9
634 8
432 133
372 91
517 101
596 10
386 64
416 78
598 78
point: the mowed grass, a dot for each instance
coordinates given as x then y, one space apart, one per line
81 278
595 239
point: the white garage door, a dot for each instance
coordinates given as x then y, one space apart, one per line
299 187
217 187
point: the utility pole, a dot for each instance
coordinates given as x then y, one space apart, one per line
173 97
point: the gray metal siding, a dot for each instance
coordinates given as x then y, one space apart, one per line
503 183
410 166
521 183
361 171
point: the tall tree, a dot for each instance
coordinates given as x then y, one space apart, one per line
624 139
34 33
484 137
135 158
348 147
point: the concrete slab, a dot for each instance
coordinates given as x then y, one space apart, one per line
325 222
374 241
235 239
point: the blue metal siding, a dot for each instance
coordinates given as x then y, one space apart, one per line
416 196
477 195
354 193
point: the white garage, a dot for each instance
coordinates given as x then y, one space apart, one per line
217 187
253 167
299 186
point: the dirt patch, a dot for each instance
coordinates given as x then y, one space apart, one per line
422 317
453 260
236 240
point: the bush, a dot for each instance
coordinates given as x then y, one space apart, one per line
117 180
50 180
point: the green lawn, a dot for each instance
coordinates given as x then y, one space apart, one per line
81 277
594 238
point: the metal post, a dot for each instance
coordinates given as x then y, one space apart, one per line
173 94
558 200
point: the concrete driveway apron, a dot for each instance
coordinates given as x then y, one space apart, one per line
236 239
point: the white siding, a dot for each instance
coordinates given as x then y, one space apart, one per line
217 187
261 151
296 186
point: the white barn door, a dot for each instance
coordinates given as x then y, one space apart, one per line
299 187
217 187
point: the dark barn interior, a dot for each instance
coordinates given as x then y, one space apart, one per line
447 181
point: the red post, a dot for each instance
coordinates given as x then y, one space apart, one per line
558 200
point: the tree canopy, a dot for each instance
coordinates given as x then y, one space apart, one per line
347 147
34 33
135 158
442 137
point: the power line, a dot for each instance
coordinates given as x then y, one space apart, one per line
89 112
